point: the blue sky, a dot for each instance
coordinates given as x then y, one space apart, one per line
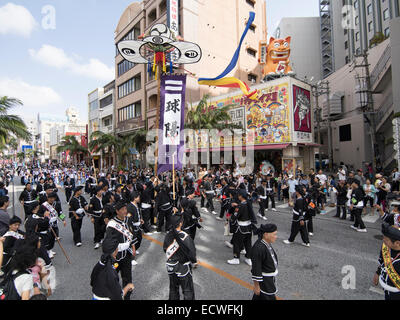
52 69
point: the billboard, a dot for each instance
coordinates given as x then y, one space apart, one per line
266 120
26 148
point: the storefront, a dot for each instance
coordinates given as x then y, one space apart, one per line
278 126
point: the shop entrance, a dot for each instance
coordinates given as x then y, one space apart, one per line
272 156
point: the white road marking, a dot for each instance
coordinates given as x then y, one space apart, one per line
377 290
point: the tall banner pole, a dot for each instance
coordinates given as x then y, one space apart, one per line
173 176
158 75
94 169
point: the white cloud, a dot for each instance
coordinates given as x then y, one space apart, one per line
30 95
56 57
17 20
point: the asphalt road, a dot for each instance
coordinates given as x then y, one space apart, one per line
316 273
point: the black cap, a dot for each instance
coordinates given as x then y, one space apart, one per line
189 191
391 231
110 245
184 203
268 228
52 195
78 189
176 219
133 195
14 220
242 193
120 205
299 189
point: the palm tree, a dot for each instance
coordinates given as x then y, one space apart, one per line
139 141
71 144
204 117
11 124
21 156
120 145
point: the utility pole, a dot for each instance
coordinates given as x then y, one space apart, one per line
320 89
369 108
330 144
315 93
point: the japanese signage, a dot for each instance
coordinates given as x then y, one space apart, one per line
173 16
266 120
302 110
172 119
263 52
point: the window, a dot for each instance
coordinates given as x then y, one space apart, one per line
130 112
251 52
130 86
345 133
252 78
387 32
94 105
369 9
347 59
133 34
356 4
386 15
107 122
346 45
357 21
124 66
106 101
370 26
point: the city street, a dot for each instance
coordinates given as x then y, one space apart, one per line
304 273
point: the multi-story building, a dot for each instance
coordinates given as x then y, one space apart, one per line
305 45
371 17
52 128
215 25
349 31
31 127
73 128
332 36
101 104
44 124
351 131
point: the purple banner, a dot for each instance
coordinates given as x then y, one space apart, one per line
172 122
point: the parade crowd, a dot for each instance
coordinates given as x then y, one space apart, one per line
125 205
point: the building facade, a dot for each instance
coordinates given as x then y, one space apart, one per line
371 17
215 25
51 129
351 131
305 55
101 108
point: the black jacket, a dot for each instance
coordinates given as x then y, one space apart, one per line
105 281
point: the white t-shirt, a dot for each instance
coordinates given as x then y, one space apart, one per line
322 178
342 175
23 283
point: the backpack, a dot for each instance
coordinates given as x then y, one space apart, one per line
7 287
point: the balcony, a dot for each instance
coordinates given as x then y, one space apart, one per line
384 111
379 75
